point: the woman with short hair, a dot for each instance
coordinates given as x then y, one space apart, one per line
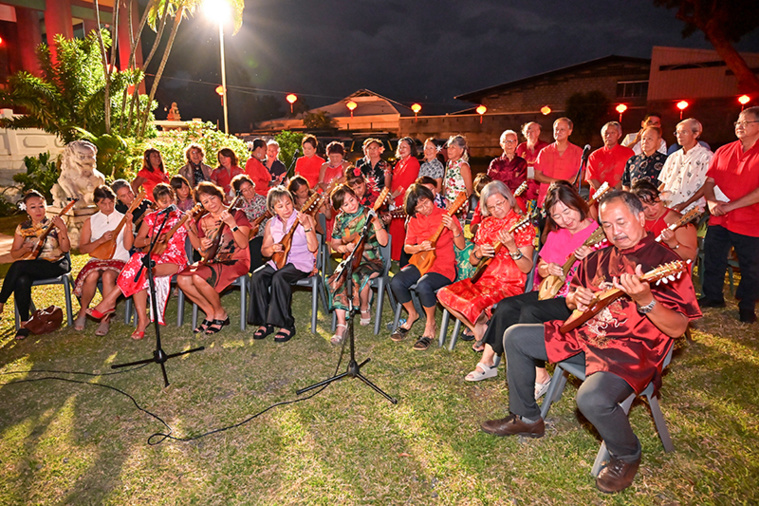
221 236
98 230
309 165
271 291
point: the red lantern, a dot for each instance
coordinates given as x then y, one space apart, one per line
481 110
545 110
351 105
416 108
291 98
620 109
743 100
682 105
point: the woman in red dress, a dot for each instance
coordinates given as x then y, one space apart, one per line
151 173
309 165
226 171
507 273
168 263
333 169
404 174
203 281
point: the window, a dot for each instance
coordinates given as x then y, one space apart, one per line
632 89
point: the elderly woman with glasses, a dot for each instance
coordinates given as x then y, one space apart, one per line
506 274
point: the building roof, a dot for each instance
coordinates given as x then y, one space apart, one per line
475 96
368 103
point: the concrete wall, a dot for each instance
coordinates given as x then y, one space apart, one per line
16 144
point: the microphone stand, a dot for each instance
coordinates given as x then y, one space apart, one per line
354 369
291 168
159 356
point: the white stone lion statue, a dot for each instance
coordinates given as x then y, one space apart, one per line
79 175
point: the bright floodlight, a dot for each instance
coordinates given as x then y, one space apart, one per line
216 10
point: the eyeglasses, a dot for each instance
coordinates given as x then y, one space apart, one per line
509 141
496 205
744 123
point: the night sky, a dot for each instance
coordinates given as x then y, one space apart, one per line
411 51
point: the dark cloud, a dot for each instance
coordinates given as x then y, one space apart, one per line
426 51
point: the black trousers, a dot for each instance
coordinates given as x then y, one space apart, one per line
273 308
256 260
717 245
426 285
522 308
598 397
19 280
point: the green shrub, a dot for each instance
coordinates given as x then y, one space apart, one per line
288 143
41 174
172 144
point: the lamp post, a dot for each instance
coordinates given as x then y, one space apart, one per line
682 105
621 108
218 11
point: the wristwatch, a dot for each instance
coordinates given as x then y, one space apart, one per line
648 307
517 255
235 228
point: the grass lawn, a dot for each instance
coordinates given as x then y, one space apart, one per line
68 443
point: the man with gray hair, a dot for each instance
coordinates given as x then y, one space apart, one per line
509 168
732 194
684 173
607 164
557 161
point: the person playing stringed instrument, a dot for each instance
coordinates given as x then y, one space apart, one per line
622 346
97 230
345 234
571 226
426 220
683 240
270 310
50 261
507 273
221 236
170 257
254 207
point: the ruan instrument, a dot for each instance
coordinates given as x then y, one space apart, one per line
313 203
482 265
662 274
163 242
210 253
35 253
384 194
684 220
255 224
599 193
551 285
106 250
423 260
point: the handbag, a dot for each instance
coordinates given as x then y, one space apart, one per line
45 321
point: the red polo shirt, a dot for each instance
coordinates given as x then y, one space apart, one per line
737 174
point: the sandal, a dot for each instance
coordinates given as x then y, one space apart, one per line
94 313
365 321
216 326
138 334
423 343
104 327
203 326
22 334
479 346
284 335
400 333
467 335
80 322
337 339
541 388
263 331
482 372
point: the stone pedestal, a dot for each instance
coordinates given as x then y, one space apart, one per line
74 221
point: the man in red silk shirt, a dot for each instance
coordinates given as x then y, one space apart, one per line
622 347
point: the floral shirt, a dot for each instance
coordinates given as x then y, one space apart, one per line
453 184
375 176
254 209
433 169
684 174
643 167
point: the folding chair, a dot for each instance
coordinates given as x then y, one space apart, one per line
316 283
559 381
67 281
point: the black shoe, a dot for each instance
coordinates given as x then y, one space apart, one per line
467 335
282 337
704 302
746 315
262 334
617 475
512 425
216 326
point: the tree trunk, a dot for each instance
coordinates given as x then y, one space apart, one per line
747 80
159 73
106 71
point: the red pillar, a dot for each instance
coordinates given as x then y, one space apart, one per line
28 38
88 26
58 21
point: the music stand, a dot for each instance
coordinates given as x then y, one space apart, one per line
354 369
159 356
